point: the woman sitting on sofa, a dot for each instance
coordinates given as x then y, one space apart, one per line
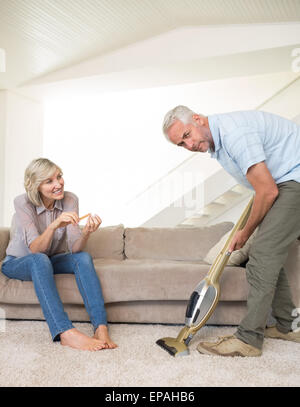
45 224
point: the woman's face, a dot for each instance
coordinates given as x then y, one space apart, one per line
52 189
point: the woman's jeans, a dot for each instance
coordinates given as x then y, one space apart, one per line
40 269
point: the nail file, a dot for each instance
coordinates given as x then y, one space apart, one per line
85 216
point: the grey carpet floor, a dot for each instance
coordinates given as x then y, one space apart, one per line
28 357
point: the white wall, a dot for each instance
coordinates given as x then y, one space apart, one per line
111 146
22 140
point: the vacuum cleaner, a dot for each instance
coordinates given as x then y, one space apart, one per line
204 298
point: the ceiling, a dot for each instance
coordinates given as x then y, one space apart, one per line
40 37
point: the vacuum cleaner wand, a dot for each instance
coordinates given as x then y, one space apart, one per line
204 298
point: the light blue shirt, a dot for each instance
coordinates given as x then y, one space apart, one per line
245 138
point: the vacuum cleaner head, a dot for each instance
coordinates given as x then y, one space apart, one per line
173 346
177 346
201 304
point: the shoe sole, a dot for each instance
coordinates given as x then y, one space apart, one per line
283 339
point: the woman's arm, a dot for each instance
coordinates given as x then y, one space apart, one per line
80 243
43 242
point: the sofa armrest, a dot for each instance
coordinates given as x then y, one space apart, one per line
292 267
4 240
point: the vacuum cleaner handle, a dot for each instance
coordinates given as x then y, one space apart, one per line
206 294
204 298
221 260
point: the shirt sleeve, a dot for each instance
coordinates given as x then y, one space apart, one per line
73 231
245 146
26 219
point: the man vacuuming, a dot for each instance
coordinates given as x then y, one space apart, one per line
261 151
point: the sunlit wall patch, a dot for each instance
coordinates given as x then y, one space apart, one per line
2 60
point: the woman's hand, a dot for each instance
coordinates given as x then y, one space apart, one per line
92 224
66 218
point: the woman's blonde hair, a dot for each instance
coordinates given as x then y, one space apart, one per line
38 171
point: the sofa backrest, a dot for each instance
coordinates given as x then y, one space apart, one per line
173 243
107 242
191 244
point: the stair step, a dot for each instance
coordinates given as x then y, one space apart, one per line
219 206
240 189
195 218
200 222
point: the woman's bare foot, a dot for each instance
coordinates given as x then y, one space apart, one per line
77 340
102 335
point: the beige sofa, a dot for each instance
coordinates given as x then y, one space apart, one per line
147 276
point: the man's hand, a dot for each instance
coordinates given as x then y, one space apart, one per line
238 241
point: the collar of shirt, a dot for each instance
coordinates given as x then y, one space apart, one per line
57 205
215 132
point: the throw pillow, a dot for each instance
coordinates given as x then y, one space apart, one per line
237 257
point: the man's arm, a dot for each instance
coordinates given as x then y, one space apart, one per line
266 192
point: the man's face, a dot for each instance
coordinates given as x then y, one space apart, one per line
192 136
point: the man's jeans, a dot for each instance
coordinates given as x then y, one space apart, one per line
40 269
269 286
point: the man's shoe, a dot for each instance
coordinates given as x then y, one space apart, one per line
272 332
228 346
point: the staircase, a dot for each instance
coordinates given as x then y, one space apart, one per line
218 207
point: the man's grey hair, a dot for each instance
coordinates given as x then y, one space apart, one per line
182 113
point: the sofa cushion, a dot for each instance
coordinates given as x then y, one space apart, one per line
173 243
161 312
139 280
107 243
133 280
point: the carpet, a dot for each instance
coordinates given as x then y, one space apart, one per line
28 357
